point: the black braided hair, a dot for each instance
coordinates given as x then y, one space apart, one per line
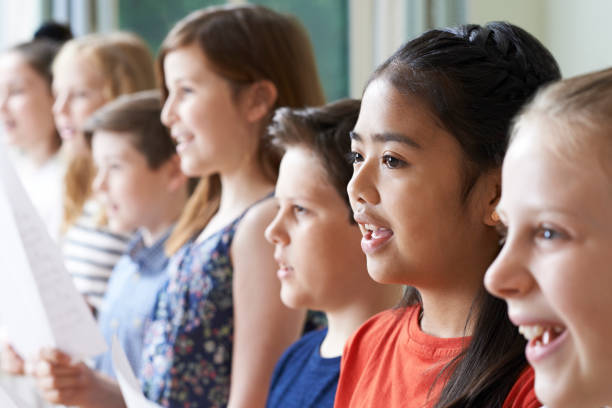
475 79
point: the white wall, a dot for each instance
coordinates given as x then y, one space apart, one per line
577 32
18 21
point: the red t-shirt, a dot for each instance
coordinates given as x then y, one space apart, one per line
390 362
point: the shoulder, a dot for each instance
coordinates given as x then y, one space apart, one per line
380 326
522 394
249 236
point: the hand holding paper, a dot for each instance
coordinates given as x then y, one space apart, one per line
39 304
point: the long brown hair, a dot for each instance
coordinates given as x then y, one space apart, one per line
245 44
474 79
126 63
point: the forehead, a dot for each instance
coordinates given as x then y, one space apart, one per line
14 64
384 109
542 165
112 141
186 61
302 174
78 71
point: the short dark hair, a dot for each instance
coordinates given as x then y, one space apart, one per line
325 131
138 115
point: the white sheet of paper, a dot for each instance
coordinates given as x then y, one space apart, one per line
130 387
5 400
39 304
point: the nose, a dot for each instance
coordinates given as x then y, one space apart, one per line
509 275
3 100
60 104
276 233
100 181
362 186
168 111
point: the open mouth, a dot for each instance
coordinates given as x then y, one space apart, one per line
374 237
542 339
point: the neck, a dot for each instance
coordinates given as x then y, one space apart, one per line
445 315
241 188
167 216
41 153
344 321
446 307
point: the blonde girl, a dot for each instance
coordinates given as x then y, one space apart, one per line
88 72
556 214
219 326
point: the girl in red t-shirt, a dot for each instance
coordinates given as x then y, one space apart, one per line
427 150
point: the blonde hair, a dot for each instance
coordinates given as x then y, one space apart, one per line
244 44
126 64
580 108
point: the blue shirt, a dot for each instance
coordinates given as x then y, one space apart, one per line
302 378
128 304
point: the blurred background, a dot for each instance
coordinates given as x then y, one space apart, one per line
350 37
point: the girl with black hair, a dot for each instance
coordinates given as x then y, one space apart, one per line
427 150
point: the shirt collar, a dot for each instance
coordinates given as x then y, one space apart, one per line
151 258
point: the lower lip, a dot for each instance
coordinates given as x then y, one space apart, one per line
538 353
67 134
371 245
283 273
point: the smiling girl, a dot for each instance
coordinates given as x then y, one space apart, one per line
427 147
556 209
219 326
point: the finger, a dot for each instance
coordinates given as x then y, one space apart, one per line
55 356
59 383
56 396
44 369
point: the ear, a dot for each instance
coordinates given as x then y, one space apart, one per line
176 179
492 195
258 100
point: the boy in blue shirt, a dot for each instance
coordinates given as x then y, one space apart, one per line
142 188
317 247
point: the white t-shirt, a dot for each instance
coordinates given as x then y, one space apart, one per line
45 186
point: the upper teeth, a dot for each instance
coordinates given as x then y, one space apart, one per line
535 331
369 227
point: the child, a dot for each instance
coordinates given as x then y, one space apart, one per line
427 147
90 71
554 269
26 114
142 186
314 218
225 70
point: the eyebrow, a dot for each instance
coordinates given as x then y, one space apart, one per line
387 137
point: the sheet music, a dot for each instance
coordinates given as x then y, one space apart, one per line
6 401
39 304
130 387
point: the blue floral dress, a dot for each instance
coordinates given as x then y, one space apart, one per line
187 356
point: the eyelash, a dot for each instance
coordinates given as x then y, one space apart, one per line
542 232
388 160
297 209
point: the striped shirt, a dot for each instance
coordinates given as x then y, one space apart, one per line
90 253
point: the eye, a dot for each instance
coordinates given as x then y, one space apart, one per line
549 233
354 157
299 210
392 162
